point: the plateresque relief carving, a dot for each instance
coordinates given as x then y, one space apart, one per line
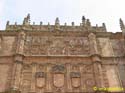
56 45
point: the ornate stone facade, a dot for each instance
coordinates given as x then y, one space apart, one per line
61 59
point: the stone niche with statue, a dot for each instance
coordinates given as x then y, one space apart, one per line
61 58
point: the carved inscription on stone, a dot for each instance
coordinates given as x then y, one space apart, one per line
36 45
106 48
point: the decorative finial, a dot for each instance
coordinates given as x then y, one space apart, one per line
122 26
26 20
48 24
49 27
65 24
57 21
57 24
83 19
73 23
7 23
15 23
88 22
104 26
41 23
33 23
96 25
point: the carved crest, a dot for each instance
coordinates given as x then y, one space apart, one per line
58 75
59 79
75 79
40 79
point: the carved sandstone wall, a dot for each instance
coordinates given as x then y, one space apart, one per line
37 59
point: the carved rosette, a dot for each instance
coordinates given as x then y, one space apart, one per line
58 75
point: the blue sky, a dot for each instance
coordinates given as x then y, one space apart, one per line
98 11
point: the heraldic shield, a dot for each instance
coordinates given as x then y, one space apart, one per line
40 79
59 80
75 79
58 76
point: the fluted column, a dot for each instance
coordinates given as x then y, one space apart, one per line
96 60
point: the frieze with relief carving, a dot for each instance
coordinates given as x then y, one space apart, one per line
58 77
36 45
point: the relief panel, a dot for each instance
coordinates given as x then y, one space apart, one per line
8 44
112 76
56 45
118 47
4 70
58 78
105 45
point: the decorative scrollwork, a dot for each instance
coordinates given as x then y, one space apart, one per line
58 69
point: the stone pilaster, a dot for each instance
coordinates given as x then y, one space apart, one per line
69 86
16 75
20 43
48 78
18 63
33 79
83 87
96 59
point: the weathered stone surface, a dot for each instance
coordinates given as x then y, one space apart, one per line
60 59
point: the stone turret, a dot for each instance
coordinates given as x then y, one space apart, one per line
122 26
